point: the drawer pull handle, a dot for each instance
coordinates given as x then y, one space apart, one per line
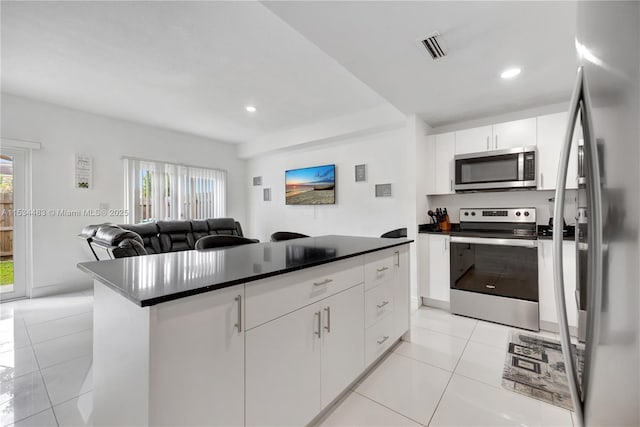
328 327
380 270
318 332
238 324
324 282
386 337
383 304
490 286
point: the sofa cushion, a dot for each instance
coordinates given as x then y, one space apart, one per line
223 226
149 234
199 228
175 235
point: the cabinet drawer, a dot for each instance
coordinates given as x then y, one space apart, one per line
274 297
380 267
378 338
378 303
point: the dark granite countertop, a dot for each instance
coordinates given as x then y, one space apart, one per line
153 279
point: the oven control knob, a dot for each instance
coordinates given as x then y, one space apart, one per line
526 214
466 214
518 213
473 214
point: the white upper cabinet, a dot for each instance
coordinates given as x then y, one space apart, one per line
474 140
551 130
518 133
444 168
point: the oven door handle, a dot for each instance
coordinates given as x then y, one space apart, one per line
523 243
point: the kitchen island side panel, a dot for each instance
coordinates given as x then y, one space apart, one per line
120 360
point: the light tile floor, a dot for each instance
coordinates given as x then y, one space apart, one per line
45 361
447 375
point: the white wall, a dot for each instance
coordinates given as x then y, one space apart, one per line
357 211
64 132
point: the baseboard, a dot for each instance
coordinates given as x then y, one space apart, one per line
435 303
555 328
61 288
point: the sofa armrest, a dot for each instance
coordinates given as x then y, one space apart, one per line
128 248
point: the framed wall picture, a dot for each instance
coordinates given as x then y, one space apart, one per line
361 173
383 190
84 171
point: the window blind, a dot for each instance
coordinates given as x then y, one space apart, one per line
168 191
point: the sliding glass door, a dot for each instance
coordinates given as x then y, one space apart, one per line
13 220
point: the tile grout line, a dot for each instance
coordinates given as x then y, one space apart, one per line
61 336
452 374
59 318
386 407
425 363
44 384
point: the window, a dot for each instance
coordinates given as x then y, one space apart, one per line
167 191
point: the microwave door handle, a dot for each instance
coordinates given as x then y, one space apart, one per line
520 167
558 273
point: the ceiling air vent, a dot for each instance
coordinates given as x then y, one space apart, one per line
433 44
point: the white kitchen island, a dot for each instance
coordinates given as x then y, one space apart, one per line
261 334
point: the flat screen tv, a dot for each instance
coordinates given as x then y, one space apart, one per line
311 186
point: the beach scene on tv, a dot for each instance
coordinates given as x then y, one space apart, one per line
311 186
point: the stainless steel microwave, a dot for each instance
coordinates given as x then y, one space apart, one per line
512 168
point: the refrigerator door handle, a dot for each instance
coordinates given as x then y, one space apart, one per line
558 273
596 248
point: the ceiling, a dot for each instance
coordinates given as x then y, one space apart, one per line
379 42
194 66
187 66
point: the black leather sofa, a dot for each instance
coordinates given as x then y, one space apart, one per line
108 241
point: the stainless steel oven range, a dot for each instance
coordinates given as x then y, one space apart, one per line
494 266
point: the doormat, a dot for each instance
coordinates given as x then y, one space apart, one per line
534 367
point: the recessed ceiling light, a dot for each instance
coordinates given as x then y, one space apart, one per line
510 73
250 108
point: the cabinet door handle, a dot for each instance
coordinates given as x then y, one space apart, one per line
496 143
397 258
487 143
238 324
445 243
451 185
380 270
318 332
383 304
324 282
328 327
541 180
386 337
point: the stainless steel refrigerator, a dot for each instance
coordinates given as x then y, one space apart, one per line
606 101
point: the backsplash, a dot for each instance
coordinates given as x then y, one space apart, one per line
507 199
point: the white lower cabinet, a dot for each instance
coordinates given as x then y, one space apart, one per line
197 351
342 353
307 357
434 271
283 369
387 304
180 362
546 291
401 293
